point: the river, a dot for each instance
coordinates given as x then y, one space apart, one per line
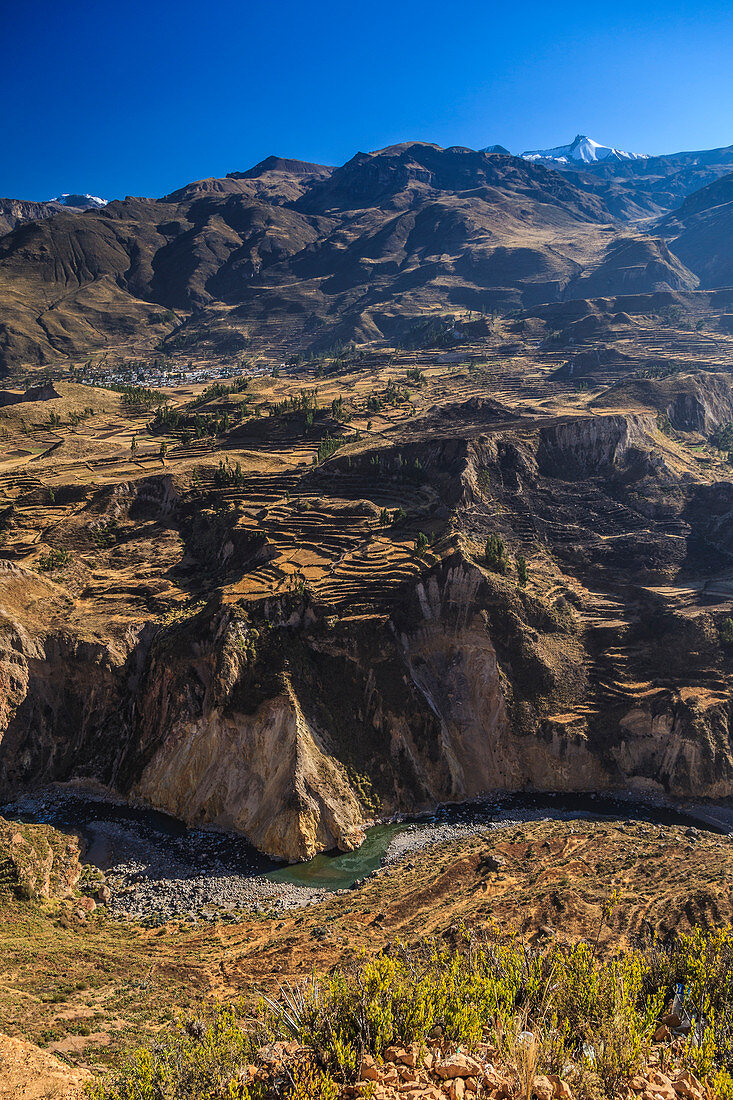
135 845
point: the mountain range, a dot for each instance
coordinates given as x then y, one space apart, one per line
292 256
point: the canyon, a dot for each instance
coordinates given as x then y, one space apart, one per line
296 649
456 518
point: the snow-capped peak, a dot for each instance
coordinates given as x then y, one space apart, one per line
80 202
583 150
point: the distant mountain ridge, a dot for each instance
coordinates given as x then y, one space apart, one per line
659 183
293 256
16 211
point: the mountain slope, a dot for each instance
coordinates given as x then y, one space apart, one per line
634 265
334 253
701 233
290 256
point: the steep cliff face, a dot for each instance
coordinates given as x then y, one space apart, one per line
693 401
296 733
225 753
682 749
588 445
489 720
701 403
63 700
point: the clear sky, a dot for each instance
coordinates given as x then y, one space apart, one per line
141 97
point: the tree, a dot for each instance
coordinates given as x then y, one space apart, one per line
421 543
133 445
163 451
522 571
497 559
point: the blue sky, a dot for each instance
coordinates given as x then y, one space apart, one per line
140 98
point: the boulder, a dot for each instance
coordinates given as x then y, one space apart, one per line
457 1088
687 1086
661 1085
369 1069
543 1088
561 1089
458 1065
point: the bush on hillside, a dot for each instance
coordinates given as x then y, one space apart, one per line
591 1020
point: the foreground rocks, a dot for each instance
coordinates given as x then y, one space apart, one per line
439 1071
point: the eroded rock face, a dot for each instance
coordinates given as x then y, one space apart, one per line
588 445
266 774
702 403
684 750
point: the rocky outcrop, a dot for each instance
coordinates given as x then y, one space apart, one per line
591 445
702 403
45 392
684 749
35 1074
490 730
634 265
38 862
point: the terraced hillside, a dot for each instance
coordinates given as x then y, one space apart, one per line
288 603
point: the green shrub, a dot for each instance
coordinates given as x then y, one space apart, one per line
421 544
52 560
722 437
105 534
196 1061
328 447
590 1019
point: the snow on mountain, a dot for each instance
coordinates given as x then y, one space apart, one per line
583 150
80 202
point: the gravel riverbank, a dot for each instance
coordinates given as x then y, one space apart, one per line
156 870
